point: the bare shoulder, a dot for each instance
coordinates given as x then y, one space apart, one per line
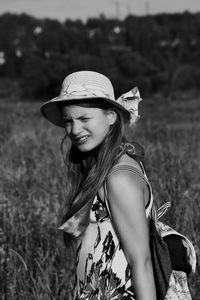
126 182
125 159
123 179
122 173
130 178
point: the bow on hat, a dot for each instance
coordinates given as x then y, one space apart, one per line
130 101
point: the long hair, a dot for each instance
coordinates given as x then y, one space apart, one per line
87 171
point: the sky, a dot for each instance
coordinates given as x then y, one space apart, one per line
84 9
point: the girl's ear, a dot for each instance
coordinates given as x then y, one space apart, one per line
112 116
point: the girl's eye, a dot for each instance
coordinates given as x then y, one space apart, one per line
85 119
67 122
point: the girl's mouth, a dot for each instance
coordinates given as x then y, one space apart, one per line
81 140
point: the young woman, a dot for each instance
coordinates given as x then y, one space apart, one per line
109 197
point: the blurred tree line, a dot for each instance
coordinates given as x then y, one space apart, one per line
155 52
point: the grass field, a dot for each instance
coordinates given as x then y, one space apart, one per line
34 263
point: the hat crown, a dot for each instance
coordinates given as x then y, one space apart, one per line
87 84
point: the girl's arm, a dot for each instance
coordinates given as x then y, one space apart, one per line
126 193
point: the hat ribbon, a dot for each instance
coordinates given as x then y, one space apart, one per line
83 90
130 101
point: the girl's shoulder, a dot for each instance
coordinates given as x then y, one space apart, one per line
128 167
129 174
124 169
126 160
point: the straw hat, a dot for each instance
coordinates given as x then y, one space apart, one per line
82 85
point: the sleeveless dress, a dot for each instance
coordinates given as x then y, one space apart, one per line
102 270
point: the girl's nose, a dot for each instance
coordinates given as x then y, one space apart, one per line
76 128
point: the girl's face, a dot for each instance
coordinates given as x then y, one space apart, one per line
87 126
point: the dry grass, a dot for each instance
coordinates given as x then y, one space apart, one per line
34 264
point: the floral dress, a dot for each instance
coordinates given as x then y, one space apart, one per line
102 271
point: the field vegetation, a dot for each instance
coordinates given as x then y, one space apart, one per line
34 263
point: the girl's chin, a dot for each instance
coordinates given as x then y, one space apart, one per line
86 147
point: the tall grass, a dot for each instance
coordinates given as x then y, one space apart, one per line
33 261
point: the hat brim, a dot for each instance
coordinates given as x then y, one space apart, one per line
51 110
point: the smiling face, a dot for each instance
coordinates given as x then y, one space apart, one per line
87 127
